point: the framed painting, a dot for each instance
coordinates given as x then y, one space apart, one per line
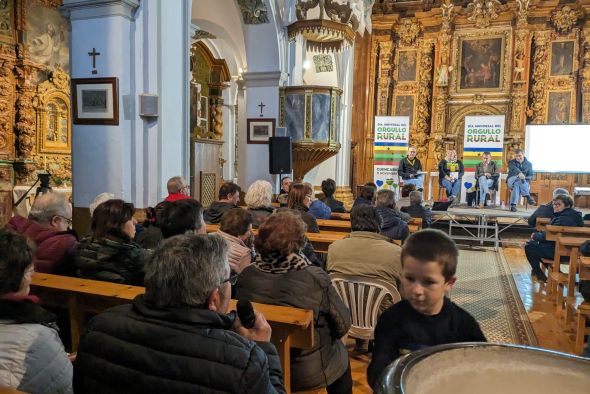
407 65
260 130
95 101
562 58
404 106
559 107
480 63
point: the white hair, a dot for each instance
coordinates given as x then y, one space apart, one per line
102 197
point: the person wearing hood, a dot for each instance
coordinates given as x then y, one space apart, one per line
538 247
109 253
229 197
520 173
48 227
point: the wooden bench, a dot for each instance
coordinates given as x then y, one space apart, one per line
291 327
340 216
583 311
414 225
541 223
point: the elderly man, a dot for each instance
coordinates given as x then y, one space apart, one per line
181 217
47 226
410 169
229 197
485 172
177 189
520 173
286 183
178 337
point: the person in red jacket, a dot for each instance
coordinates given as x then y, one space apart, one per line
48 227
177 189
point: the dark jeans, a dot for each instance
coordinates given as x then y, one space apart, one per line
535 251
342 385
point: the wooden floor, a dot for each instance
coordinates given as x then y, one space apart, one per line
550 332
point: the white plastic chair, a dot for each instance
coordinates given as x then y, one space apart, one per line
363 296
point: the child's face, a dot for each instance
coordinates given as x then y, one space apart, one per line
424 285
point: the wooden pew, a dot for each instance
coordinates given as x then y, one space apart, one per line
291 327
541 223
565 245
340 216
414 225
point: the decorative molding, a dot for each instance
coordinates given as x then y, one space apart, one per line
565 19
254 12
408 31
586 77
384 77
201 34
90 9
483 12
536 111
423 107
522 12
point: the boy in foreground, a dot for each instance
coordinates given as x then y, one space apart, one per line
425 317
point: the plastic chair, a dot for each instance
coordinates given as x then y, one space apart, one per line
363 296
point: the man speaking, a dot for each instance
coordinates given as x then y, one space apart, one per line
520 173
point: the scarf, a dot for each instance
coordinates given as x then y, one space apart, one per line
275 263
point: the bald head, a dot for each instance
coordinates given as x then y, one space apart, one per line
176 185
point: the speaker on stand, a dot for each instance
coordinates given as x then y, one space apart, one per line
279 156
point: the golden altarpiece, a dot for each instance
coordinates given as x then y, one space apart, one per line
35 131
439 61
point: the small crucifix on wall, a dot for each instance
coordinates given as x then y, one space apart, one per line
261 105
94 54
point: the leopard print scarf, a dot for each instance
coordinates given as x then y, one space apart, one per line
274 263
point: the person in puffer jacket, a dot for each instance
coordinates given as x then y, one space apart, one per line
282 275
392 225
32 357
110 254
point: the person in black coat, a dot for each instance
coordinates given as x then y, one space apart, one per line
367 195
538 247
410 169
392 225
282 275
300 197
328 188
546 210
178 337
416 210
450 172
229 197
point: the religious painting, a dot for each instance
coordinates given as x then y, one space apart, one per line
559 107
47 38
404 106
95 101
407 62
481 63
260 130
562 58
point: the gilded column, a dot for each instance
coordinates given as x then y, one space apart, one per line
586 78
218 118
423 108
384 79
536 111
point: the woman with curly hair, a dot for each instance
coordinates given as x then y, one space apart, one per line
259 201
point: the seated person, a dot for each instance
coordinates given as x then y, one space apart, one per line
545 210
229 197
520 173
417 209
178 337
32 357
236 229
425 317
410 168
283 196
258 199
299 201
182 217
151 234
282 275
538 247
329 188
392 225
367 195
450 172
366 252
47 226
318 208
486 173
177 189
109 253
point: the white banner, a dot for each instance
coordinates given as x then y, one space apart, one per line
392 135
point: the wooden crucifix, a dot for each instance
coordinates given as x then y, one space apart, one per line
94 54
261 105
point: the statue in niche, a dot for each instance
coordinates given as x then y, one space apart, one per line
442 74
519 67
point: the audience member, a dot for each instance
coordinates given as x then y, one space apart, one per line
258 199
425 317
229 197
392 225
32 357
329 188
538 247
182 217
236 229
283 196
416 209
178 337
318 208
486 174
282 275
520 173
450 173
299 201
367 195
177 189
151 234
545 210
110 254
410 169
48 227
365 252
102 197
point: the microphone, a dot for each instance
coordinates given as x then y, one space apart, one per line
246 313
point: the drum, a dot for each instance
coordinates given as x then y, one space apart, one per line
486 368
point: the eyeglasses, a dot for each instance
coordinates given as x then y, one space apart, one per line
233 279
66 219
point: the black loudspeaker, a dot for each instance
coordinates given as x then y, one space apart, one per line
279 155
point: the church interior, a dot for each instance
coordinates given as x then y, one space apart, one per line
120 96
